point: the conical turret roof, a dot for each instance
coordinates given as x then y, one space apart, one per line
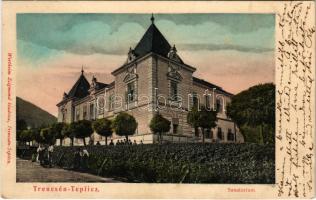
80 88
152 41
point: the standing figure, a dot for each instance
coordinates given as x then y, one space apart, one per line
84 159
50 155
77 159
37 151
41 154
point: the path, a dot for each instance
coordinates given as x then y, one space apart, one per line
28 171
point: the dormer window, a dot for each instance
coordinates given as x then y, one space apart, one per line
65 96
94 82
173 54
64 112
131 55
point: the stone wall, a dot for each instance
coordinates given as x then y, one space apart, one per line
143 84
163 82
68 112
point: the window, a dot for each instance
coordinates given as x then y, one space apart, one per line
207 101
173 90
230 135
208 134
85 112
77 114
219 133
131 95
64 111
196 132
195 99
219 104
100 105
92 111
174 128
111 102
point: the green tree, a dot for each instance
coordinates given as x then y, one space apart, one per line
159 125
25 135
124 124
69 131
20 127
57 131
103 127
193 119
202 118
37 135
255 107
82 129
206 120
48 136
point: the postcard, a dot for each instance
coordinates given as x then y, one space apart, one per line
158 99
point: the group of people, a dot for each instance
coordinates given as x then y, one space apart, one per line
125 142
122 142
44 155
81 159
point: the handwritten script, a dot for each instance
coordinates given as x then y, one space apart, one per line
295 100
9 109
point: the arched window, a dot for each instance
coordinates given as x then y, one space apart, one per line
100 105
111 102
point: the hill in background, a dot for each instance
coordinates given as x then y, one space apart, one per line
33 115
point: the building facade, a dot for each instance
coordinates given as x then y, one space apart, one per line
153 79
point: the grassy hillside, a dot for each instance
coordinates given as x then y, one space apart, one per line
33 115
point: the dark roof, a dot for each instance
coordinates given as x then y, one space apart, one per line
80 88
111 84
101 85
152 41
210 85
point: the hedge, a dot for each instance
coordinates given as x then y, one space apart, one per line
178 163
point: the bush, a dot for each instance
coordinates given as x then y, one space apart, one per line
178 163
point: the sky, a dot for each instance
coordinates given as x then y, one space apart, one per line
234 51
